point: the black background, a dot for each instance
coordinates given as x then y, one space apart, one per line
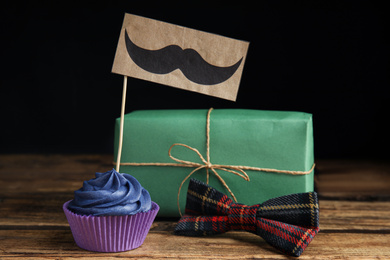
58 95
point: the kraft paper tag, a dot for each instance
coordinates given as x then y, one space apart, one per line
180 57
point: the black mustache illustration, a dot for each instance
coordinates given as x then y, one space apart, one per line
173 57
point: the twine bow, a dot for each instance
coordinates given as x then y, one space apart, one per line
235 169
208 166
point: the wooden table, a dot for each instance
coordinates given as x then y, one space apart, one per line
354 214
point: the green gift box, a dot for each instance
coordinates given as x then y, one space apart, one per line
162 147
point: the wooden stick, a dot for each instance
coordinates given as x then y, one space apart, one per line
119 154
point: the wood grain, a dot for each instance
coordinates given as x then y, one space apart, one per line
353 179
158 245
354 224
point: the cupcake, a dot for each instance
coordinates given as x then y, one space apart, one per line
110 213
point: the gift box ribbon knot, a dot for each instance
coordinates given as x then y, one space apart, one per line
238 170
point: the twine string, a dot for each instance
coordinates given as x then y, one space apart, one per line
238 170
208 166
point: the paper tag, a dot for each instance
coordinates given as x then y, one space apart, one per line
180 57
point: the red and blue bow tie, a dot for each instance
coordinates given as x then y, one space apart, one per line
288 223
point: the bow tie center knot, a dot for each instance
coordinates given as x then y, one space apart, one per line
242 217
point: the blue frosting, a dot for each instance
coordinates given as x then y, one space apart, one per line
111 194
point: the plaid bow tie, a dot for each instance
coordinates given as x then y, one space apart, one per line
288 223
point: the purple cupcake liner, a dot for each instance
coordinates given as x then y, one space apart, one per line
110 233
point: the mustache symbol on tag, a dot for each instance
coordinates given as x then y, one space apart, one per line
173 57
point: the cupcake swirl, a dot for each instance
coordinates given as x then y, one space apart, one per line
111 194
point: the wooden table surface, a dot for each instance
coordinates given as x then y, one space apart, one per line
354 214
